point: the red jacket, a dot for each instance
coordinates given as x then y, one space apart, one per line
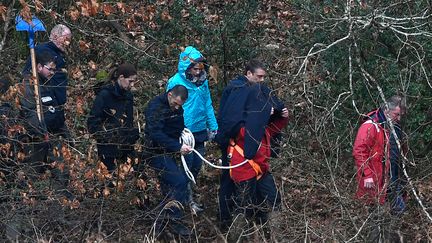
246 172
371 148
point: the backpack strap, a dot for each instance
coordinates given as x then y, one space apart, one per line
255 166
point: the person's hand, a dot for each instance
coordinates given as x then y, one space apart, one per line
185 149
285 113
272 111
211 135
368 183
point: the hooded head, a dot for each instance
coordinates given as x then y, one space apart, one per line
191 65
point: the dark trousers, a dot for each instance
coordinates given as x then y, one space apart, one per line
226 192
256 198
193 161
174 183
39 153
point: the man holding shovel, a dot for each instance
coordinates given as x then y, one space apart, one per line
60 38
42 98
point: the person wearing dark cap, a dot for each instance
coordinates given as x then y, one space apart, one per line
111 118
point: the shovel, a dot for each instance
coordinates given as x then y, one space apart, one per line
31 28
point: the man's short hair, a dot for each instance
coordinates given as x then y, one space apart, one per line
59 30
179 90
253 65
393 102
44 57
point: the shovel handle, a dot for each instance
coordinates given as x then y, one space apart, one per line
36 85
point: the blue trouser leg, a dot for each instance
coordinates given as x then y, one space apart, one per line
173 181
226 191
246 197
268 197
193 161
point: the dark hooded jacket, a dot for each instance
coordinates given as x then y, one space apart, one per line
245 104
111 121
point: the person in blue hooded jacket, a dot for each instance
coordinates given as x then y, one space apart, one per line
199 115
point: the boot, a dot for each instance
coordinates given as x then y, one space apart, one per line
178 228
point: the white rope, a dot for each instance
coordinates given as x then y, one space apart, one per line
187 138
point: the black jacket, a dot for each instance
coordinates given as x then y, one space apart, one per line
111 121
59 81
245 104
54 120
163 125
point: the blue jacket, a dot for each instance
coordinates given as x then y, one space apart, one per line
111 121
245 104
59 81
198 110
163 125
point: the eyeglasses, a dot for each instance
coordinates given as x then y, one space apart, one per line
50 68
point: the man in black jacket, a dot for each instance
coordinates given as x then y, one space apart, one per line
60 38
164 125
37 129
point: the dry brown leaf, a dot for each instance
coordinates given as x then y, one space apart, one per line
130 23
106 192
74 14
84 5
121 7
53 14
79 106
213 72
76 73
89 175
93 7
135 201
108 9
3 11
25 12
38 5
141 184
75 204
84 46
165 15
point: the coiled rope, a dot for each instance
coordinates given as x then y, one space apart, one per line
187 138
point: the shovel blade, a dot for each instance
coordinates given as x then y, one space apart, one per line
35 25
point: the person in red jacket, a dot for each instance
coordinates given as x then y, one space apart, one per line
371 152
256 189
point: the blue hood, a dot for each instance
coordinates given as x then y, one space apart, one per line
188 56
